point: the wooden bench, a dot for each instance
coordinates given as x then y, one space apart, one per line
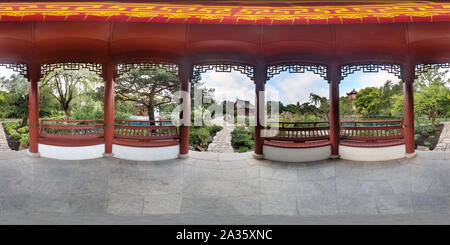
145 135
389 134
297 137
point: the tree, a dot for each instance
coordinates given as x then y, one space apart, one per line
66 85
149 88
345 106
433 101
17 85
368 101
434 76
322 105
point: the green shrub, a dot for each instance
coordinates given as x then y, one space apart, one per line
416 136
14 134
198 136
241 139
213 129
431 136
242 149
24 139
23 130
426 143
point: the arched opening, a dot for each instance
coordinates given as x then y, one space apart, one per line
14 89
223 108
145 127
431 106
297 121
371 108
71 110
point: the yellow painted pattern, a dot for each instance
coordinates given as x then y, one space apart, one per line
357 11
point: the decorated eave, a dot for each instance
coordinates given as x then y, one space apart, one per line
232 12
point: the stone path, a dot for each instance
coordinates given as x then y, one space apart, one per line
3 142
222 140
444 139
223 188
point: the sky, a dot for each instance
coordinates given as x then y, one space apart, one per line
286 87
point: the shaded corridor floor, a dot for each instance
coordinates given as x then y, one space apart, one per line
210 186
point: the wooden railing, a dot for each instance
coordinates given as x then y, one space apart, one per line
145 123
71 129
145 132
305 132
378 130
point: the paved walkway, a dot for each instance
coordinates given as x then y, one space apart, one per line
222 140
3 142
444 139
223 188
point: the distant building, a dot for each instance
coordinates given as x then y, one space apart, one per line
244 107
352 95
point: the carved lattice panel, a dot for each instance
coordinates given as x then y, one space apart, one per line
371 68
423 68
168 67
20 68
247 70
70 66
320 70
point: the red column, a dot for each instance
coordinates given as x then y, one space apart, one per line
334 77
184 75
34 74
260 80
109 73
408 108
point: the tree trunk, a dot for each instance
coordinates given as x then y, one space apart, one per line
67 111
151 113
25 116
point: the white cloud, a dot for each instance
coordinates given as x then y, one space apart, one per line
297 87
229 85
361 80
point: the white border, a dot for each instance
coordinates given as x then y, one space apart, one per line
71 152
296 154
372 154
145 153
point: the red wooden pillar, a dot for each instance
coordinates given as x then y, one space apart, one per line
408 110
109 74
34 74
260 80
334 77
184 76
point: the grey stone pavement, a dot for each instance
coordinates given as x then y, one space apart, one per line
224 188
222 139
3 142
444 139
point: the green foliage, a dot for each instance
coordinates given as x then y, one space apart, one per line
14 134
242 139
426 143
433 101
87 112
23 130
149 88
202 136
368 101
24 139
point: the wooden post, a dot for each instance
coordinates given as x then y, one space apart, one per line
109 74
260 81
408 75
34 75
334 77
184 76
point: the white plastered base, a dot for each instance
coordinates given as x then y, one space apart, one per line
145 153
372 154
296 154
71 153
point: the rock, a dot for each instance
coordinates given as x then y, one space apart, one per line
423 148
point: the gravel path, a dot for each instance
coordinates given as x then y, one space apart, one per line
3 142
222 140
444 139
